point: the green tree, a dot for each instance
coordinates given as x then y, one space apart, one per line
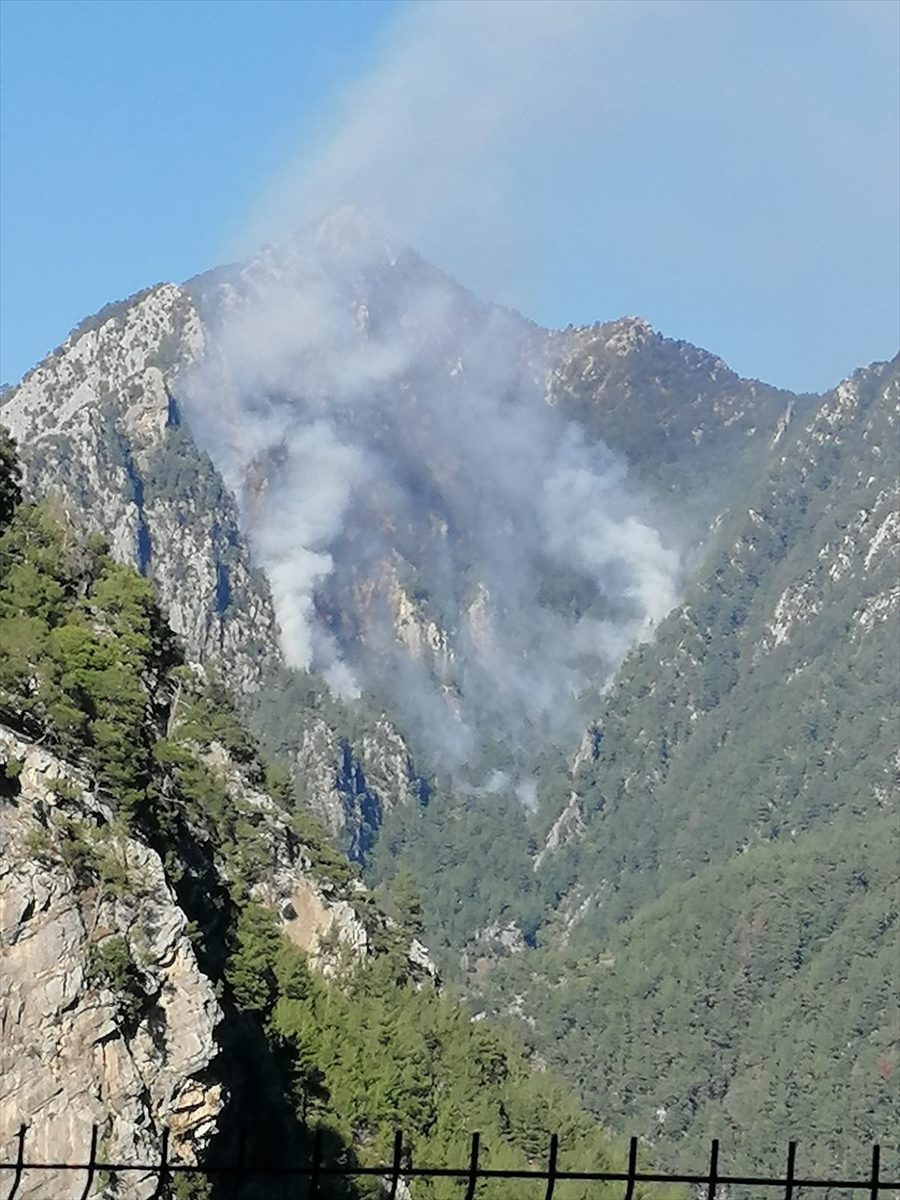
10 479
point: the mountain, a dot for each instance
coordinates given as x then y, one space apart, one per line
582 633
182 947
100 428
369 413
349 414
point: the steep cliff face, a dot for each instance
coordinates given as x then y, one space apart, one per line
99 427
107 1018
332 923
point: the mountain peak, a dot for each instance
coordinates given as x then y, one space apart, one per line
345 229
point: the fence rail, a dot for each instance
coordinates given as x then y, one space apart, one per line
473 1173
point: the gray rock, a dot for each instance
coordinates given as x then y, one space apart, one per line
70 1058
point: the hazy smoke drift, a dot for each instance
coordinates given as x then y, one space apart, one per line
431 528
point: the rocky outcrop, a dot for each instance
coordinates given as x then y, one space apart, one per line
106 1016
568 826
858 554
335 787
350 788
99 428
389 769
321 918
688 425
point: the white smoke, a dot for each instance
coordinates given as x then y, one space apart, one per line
578 159
307 505
424 517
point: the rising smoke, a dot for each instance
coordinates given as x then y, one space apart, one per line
434 532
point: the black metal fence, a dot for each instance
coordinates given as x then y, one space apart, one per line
401 1169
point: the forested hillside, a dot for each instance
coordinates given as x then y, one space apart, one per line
720 951
688 425
133 797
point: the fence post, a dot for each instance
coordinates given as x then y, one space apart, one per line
473 1167
551 1166
713 1177
395 1169
20 1162
789 1180
163 1168
876 1164
92 1164
632 1168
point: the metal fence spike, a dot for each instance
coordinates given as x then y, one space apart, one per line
239 1165
789 1180
551 1166
876 1165
632 1168
163 1168
473 1167
316 1163
92 1164
713 1176
396 1164
20 1162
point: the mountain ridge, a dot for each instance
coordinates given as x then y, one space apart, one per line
742 764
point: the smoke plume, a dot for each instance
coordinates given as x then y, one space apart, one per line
434 532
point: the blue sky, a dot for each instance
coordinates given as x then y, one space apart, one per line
727 170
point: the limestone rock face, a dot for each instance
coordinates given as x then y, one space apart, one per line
335 787
389 770
320 918
857 556
99 428
350 788
131 1047
105 1015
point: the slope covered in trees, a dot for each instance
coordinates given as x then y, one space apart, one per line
767 705
719 951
